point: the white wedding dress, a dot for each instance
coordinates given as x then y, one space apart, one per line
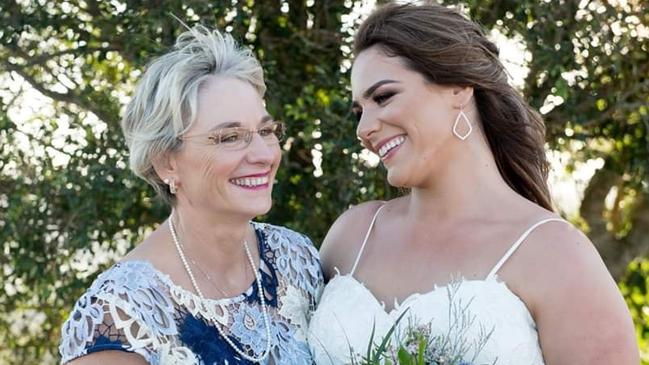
347 313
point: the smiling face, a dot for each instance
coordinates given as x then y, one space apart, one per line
403 118
226 177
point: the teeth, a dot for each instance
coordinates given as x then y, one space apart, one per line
251 181
390 145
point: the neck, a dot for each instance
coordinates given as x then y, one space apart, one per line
213 239
470 187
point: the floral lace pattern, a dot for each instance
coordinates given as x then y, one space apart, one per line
134 307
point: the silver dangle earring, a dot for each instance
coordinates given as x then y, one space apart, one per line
463 117
172 185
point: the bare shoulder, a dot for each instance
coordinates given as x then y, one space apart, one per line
345 237
109 357
580 314
558 253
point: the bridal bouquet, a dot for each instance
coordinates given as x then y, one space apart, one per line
416 344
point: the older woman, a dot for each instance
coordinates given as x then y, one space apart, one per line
208 285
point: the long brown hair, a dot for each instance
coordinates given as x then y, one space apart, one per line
450 49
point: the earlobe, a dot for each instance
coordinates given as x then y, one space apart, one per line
165 167
462 96
172 185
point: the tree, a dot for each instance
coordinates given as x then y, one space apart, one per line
70 207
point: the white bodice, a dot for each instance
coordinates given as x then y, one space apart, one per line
347 313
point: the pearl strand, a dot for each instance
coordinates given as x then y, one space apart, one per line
264 309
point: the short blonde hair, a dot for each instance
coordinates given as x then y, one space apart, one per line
165 102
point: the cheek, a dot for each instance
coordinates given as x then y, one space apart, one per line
206 163
396 113
431 124
209 168
277 153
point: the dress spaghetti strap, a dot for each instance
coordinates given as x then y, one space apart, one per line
367 235
517 244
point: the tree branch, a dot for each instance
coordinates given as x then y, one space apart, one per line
48 56
68 97
65 97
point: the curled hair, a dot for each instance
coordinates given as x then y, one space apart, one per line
165 102
448 49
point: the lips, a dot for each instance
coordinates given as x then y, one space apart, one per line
390 144
251 181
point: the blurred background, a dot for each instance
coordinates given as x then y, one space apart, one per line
69 207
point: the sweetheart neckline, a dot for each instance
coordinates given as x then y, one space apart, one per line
436 288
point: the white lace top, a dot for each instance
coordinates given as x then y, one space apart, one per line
347 313
134 307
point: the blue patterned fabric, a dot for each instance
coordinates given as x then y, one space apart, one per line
134 307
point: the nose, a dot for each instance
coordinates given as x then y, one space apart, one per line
260 152
368 125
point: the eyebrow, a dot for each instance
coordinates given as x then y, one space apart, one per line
234 123
370 90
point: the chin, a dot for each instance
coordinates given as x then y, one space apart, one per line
397 179
259 207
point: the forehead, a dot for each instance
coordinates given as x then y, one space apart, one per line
373 65
225 98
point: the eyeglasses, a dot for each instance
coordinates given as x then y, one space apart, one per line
237 138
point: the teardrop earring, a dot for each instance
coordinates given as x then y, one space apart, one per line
456 125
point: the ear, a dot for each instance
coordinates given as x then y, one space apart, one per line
166 167
461 96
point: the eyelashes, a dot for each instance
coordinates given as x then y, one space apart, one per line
379 99
382 97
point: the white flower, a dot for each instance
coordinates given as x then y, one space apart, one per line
177 355
294 307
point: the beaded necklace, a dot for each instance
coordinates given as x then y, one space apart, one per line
262 299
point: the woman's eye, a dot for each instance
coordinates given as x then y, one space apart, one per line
266 131
382 98
232 137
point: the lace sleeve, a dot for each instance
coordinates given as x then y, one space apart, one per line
124 309
313 269
298 259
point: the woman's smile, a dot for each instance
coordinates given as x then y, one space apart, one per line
253 182
389 148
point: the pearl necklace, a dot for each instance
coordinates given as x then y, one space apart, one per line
264 309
